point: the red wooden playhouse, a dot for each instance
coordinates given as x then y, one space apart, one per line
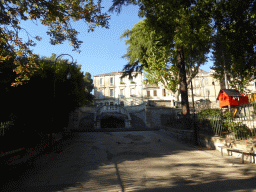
231 97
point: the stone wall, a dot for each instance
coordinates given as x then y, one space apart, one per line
161 103
140 114
211 142
135 108
155 115
151 116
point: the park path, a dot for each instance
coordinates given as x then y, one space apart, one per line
132 161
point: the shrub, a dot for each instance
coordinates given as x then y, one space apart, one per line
241 131
206 113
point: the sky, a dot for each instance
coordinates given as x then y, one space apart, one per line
102 49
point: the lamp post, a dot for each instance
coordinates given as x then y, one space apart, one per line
68 77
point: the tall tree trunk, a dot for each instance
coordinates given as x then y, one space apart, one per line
183 83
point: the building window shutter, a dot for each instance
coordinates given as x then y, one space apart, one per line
155 94
164 93
148 93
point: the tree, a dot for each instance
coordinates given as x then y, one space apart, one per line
234 41
88 87
153 59
233 24
181 40
57 15
33 105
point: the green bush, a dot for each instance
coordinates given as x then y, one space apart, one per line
241 131
227 117
206 113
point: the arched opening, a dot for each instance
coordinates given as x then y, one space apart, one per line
112 122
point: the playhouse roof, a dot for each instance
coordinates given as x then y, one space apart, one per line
230 93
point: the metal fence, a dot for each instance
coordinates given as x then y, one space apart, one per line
240 125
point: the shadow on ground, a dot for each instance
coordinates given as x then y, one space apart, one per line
132 161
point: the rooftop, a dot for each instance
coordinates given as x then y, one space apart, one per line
113 73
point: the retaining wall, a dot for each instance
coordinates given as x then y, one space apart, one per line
155 115
211 142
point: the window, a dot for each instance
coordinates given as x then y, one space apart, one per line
101 81
254 85
164 93
122 103
132 91
207 92
111 80
111 103
148 93
155 93
111 92
121 92
131 78
121 80
101 94
206 81
196 83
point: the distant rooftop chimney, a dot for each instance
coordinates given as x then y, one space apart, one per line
117 71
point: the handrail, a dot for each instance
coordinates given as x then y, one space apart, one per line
137 100
113 108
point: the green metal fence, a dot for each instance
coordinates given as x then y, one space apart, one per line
212 125
241 124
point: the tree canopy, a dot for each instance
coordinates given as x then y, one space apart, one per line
191 28
160 60
56 15
34 104
234 41
170 34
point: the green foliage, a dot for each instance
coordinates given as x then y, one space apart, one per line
169 45
228 27
254 110
56 15
211 117
38 105
206 113
241 131
227 117
234 42
159 60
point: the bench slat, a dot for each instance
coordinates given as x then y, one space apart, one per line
252 154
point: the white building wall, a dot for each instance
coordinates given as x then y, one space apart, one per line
117 86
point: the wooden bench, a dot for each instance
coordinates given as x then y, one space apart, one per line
230 150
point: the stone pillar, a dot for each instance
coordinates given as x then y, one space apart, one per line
148 116
127 124
97 124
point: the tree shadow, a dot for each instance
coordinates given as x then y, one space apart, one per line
98 161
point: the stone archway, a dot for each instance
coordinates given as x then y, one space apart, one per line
112 121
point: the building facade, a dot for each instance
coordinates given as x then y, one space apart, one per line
111 89
205 87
